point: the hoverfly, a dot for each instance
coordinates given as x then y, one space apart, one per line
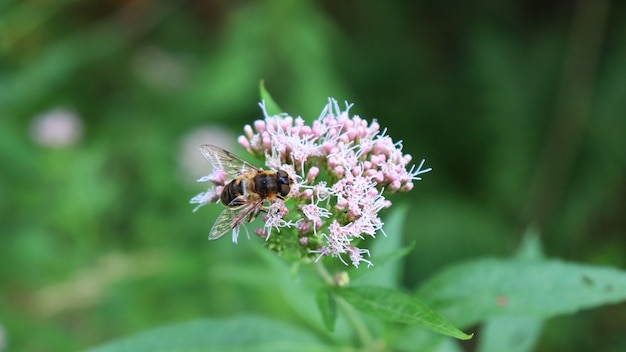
250 187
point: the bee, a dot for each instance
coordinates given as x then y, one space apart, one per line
248 190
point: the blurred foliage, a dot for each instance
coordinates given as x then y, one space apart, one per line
518 106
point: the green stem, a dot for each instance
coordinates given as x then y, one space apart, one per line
324 274
355 320
351 315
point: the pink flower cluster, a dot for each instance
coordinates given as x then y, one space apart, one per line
341 166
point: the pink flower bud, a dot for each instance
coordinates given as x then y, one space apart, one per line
306 194
247 130
312 174
259 126
267 141
407 187
244 142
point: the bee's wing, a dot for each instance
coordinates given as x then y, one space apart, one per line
233 217
223 160
223 224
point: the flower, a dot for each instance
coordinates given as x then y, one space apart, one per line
342 167
57 128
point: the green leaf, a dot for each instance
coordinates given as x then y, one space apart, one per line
328 307
236 334
374 275
270 105
397 307
514 333
511 334
471 292
385 251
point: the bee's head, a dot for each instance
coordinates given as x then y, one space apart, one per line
284 182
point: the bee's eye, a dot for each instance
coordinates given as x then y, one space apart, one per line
283 177
284 190
284 182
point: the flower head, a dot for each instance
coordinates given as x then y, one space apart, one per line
342 167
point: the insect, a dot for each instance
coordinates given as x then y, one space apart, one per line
250 187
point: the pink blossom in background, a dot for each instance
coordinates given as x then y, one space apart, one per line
56 128
191 163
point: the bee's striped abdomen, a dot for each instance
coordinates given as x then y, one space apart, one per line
231 191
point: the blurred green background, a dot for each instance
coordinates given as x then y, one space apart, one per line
518 106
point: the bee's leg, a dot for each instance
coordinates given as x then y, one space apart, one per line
257 208
263 208
238 201
253 215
